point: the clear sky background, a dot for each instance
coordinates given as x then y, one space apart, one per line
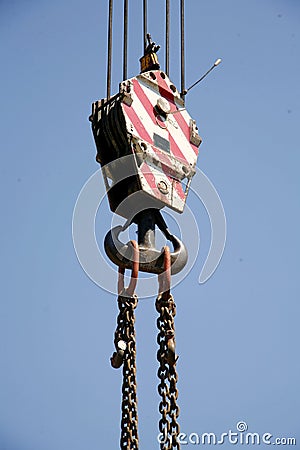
238 334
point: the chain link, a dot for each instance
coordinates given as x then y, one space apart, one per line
167 389
125 344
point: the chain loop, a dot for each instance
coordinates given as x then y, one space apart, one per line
134 273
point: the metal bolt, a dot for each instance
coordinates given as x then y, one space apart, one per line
163 187
163 105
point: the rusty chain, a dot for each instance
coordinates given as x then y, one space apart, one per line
125 353
166 356
168 408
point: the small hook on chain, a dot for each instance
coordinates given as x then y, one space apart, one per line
117 358
171 356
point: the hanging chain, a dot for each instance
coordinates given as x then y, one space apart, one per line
125 353
168 408
166 356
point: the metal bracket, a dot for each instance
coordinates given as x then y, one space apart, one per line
173 166
194 136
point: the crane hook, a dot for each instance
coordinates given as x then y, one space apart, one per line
151 260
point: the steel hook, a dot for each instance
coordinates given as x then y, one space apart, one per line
117 358
151 260
171 356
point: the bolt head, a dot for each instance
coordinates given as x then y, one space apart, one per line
163 105
163 187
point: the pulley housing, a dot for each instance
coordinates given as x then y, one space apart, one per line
146 119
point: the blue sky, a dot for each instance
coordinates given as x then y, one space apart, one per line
238 334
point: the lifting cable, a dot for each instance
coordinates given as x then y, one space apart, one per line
145 26
125 43
109 49
182 45
167 68
145 39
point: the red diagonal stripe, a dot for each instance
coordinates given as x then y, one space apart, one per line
137 123
150 110
164 160
167 93
178 187
176 150
150 178
144 100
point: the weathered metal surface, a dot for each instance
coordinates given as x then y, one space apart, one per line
147 120
151 259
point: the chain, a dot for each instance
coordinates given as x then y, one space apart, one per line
166 356
125 354
168 408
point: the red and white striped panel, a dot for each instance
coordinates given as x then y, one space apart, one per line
145 124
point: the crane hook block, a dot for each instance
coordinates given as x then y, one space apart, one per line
146 122
147 145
